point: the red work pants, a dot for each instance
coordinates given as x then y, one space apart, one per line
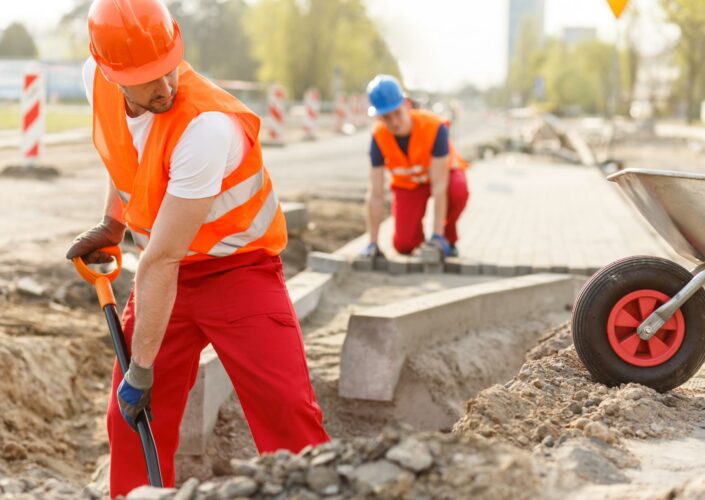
409 207
240 305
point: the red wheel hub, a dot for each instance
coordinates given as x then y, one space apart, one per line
628 314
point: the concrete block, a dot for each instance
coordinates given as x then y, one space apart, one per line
380 339
322 262
211 390
470 268
523 269
452 265
414 264
431 254
306 290
435 268
361 263
506 270
380 264
488 269
296 215
395 266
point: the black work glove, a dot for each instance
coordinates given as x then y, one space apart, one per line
108 233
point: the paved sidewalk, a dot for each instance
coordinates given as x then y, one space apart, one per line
530 215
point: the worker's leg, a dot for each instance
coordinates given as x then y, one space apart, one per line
258 339
458 196
175 371
408 209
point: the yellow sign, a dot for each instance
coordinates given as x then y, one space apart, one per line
618 6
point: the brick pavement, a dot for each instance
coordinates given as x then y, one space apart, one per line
531 215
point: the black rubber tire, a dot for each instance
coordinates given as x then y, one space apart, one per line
595 302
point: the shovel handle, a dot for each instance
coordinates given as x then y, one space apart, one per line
101 281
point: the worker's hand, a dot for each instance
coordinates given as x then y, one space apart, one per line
439 241
135 392
106 234
371 250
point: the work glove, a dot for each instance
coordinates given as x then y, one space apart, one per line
135 393
371 250
439 241
108 233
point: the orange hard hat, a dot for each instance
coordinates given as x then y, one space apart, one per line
134 41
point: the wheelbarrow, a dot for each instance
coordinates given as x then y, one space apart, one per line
107 301
642 319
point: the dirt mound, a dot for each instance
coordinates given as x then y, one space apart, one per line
54 364
553 398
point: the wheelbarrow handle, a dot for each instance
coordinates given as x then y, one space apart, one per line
101 281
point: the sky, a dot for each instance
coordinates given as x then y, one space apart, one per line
440 44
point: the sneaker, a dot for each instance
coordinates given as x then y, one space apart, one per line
453 251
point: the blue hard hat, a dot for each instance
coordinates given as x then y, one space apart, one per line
385 95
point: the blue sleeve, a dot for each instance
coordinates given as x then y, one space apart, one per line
376 155
440 146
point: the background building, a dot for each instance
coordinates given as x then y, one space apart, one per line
519 10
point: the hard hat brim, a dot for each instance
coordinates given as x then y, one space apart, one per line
374 112
148 72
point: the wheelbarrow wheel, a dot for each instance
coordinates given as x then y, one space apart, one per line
615 301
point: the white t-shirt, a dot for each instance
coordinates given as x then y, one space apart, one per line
211 147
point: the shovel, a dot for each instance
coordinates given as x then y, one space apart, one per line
107 303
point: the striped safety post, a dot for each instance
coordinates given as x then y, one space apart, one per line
32 111
341 113
312 106
361 110
275 112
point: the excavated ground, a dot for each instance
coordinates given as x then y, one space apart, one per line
548 432
56 356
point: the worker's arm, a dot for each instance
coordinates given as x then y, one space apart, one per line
113 204
439 191
375 202
177 223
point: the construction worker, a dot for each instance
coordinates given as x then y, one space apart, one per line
187 179
414 146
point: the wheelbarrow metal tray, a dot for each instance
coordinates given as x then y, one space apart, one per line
672 202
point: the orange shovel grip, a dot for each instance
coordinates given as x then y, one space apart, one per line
101 281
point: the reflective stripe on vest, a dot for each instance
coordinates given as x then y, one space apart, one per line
416 169
260 224
236 196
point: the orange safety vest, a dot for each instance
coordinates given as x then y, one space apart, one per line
411 170
245 215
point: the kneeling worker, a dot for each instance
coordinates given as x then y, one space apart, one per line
414 146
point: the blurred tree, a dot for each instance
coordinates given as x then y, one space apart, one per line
74 29
561 77
689 16
299 43
17 42
524 66
630 57
214 37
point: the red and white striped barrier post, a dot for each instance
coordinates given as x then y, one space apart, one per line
275 112
361 110
32 110
341 113
312 106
